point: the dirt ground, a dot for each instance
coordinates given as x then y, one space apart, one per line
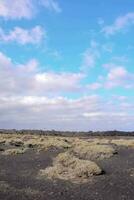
19 180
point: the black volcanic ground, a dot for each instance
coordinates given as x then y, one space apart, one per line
18 178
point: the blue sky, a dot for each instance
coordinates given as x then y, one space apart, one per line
67 65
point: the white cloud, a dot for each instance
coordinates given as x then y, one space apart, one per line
18 9
104 114
40 112
110 66
108 47
51 5
30 98
23 36
85 113
28 79
94 86
90 55
119 77
16 78
58 81
119 24
89 59
55 54
116 73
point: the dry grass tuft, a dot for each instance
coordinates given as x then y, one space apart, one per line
67 167
46 142
14 151
16 143
93 150
35 141
124 142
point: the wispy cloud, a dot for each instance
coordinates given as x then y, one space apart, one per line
18 9
117 76
91 55
119 24
94 86
23 36
51 5
57 55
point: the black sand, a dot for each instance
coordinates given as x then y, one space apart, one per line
18 179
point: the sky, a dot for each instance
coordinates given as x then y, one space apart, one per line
67 65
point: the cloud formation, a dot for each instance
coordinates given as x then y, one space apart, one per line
51 5
90 56
119 77
30 98
60 113
28 79
119 24
18 9
23 36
